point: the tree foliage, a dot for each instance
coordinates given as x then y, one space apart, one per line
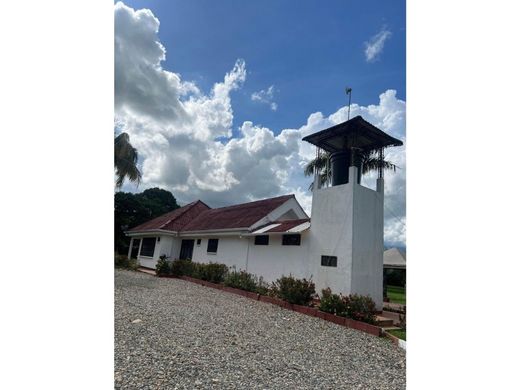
131 210
125 160
369 162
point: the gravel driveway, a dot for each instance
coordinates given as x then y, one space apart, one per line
173 334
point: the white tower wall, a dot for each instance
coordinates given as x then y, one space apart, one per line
347 222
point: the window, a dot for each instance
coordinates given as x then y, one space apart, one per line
135 248
262 240
291 239
198 241
212 245
329 261
148 247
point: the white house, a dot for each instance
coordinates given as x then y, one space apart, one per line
393 258
340 247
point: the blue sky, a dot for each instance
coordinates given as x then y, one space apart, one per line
217 96
307 50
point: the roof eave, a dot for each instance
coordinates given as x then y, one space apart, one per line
210 232
131 233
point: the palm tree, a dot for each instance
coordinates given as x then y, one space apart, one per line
125 160
369 162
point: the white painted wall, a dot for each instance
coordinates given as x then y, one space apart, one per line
231 251
368 247
331 235
164 246
269 261
347 222
274 260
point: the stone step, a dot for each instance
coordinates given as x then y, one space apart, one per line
383 321
146 270
391 315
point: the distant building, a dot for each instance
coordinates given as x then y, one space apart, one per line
394 258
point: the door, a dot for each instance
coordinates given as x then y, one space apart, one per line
186 249
135 248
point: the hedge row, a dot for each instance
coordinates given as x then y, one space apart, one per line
287 288
357 307
122 261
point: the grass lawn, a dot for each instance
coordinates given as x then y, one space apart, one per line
397 294
400 333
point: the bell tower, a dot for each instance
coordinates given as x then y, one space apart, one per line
346 234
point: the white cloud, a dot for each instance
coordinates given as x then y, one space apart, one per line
177 130
376 44
265 96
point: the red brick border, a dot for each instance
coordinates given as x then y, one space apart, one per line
310 311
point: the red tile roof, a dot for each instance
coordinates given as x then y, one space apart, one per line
238 216
284 225
174 220
198 216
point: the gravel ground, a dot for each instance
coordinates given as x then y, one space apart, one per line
173 334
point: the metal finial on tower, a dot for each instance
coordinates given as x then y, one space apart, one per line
348 91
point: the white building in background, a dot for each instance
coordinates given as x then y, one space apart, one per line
340 246
393 258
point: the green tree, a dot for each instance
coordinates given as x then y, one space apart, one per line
125 160
131 210
369 160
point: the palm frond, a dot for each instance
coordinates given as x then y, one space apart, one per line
369 162
319 163
125 160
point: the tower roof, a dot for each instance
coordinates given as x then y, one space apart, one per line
354 133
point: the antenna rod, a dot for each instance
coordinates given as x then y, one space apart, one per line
348 91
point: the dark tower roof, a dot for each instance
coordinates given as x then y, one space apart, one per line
354 133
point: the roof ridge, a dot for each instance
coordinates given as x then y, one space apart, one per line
186 208
254 201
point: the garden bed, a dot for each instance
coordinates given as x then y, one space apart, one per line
307 310
287 292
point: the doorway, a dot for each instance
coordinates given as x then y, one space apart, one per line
186 249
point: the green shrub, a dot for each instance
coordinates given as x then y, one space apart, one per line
183 267
360 308
211 272
122 261
332 303
402 319
163 266
242 280
262 287
296 291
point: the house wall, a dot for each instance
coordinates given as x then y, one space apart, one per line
274 260
164 246
269 261
347 222
368 247
231 251
331 235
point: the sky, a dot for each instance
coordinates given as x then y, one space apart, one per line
216 96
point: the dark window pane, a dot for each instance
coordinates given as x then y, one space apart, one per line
135 248
212 245
148 246
329 261
262 240
291 239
